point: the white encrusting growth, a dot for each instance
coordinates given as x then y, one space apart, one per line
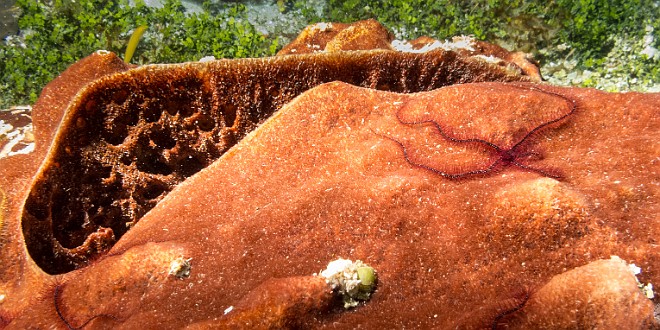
460 42
647 289
180 267
323 27
17 140
354 281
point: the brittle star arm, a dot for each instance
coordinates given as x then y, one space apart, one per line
506 156
436 171
571 102
442 133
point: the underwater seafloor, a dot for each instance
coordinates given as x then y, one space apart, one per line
563 69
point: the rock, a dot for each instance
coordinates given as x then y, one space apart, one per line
465 197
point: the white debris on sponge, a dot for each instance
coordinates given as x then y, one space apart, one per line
16 140
489 58
209 58
459 42
344 276
322 27
647 289
180 268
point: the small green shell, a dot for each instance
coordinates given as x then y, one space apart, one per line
366 275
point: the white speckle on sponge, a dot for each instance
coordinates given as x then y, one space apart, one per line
180 268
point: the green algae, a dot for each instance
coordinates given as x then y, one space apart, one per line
610 45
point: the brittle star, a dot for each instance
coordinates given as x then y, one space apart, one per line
505 157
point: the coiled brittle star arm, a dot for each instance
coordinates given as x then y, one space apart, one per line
504 156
